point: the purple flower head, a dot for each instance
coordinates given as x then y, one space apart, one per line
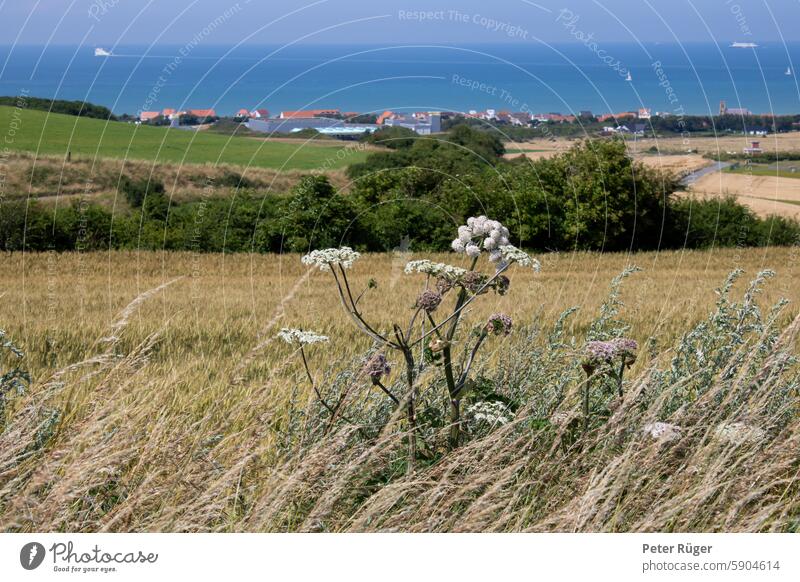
474 281
626 349
377 367
605 351
600 351
429 301
499 323
443 285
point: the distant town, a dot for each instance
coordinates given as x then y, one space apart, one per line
349 125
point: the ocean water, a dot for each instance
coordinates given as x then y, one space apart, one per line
566 78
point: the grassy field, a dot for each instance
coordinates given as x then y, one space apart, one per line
161 401
38 132
764 170
53 180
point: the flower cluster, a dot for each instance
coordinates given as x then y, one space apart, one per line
499 323
441 270
480 233
443 285
474 282
376 367
324 259
300 337
491 413
605 351
511 254
429 301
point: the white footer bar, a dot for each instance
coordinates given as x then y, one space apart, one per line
400 557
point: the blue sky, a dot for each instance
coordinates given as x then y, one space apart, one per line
106 22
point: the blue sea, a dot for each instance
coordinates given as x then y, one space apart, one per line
566 78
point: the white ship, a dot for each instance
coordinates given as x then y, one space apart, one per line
629 78
788 72
101 52
744 45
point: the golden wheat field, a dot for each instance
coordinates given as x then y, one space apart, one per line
218 306
174 403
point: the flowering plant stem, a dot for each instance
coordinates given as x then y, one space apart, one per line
411 397
586 390
400 343
447 355
333 410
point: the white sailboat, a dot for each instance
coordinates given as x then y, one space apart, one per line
101 52
788 72
629 78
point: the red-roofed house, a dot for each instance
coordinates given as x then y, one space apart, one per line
203 113
242 114
384 116
308 113
149 115
168 113
350 114
259 114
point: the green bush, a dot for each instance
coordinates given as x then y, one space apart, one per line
137 190
591 198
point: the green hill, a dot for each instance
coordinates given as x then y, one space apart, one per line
55 134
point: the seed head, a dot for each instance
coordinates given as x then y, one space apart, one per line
429 301
376 367
499 323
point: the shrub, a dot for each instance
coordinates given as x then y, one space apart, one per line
136 190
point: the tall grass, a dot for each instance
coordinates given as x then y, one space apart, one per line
161 403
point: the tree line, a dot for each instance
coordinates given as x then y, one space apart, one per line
593 197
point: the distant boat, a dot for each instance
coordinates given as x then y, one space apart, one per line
629 78
744 45
788 72
101 52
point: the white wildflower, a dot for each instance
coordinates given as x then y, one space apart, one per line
662 431
326 258
511 254
300 337
480 232
473 250
500 235
443 270
489 413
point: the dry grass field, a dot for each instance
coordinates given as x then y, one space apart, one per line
765 195
161 401
55 180
781 142
226 302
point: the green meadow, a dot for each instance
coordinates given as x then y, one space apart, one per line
54 134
